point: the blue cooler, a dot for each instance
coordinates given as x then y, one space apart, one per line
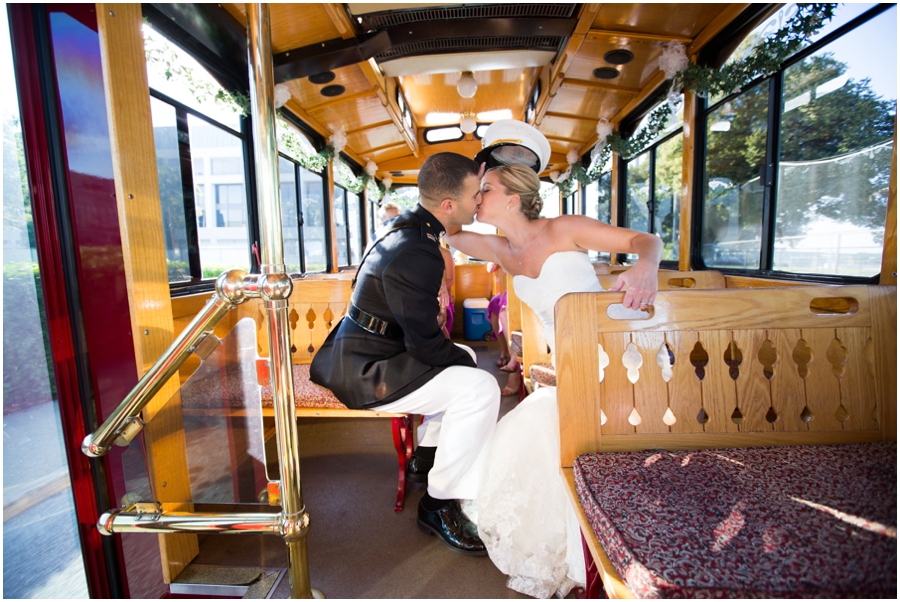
477 324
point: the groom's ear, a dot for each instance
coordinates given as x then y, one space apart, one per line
447 206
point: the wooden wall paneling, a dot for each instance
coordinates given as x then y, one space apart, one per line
717 309
718 388
858 394
616 176
473 281
143 248
262 333
889 252
617 391
752 282
823 392
651 398
329 203
788 389
534 345
884 337
514 306
728 14
752 386
688 158
579 397
685 394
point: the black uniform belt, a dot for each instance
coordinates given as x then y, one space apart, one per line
370 323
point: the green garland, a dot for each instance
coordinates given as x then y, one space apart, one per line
160 53
203 91
765 59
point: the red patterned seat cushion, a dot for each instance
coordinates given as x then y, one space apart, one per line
307 394
812 521
543 375
515 344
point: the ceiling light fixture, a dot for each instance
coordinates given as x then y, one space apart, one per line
467 86
468 123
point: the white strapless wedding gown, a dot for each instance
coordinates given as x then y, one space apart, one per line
523 513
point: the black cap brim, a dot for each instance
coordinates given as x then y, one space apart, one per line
486 155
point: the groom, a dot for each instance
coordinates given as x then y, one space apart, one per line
389 352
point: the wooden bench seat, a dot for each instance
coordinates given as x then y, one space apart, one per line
771 522
789 392
536 364
316 306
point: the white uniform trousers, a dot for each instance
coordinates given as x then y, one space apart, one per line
460 406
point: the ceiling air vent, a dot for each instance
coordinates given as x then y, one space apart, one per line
377 21
450 45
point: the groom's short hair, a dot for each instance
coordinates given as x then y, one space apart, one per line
442 176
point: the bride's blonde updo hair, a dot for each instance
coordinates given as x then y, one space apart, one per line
521 180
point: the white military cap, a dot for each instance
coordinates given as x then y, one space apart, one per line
508 141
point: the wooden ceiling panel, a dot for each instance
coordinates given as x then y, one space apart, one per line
436 93
293 25
389 154
592 103
632 75
365 140
309 94
352 114
571 129
685 20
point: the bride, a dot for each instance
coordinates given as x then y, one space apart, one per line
523 515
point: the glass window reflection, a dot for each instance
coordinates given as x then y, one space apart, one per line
37 489
735 154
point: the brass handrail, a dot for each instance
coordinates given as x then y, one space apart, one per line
232 288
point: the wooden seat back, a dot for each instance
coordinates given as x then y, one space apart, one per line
535 349
781 366
316 306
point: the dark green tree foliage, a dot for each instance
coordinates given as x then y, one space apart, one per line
822 171
734 159
835 125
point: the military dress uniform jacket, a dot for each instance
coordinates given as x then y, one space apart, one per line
399 282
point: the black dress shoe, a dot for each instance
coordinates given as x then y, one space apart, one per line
420 463
452 527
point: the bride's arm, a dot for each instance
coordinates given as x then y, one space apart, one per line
640 282
473 244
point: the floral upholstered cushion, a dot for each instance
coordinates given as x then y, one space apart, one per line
543 375
769 522
306 393
515 344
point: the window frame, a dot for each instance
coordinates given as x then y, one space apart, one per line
197 283
622 189
771 161
298 200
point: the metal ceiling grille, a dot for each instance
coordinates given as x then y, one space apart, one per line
376 21
448 45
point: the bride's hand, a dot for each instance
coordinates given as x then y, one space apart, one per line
640 284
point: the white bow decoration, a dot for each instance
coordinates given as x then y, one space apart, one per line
604 130
282 95
386 182
338 140
672 60
371 168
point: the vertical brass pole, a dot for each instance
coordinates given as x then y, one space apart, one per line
275 287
